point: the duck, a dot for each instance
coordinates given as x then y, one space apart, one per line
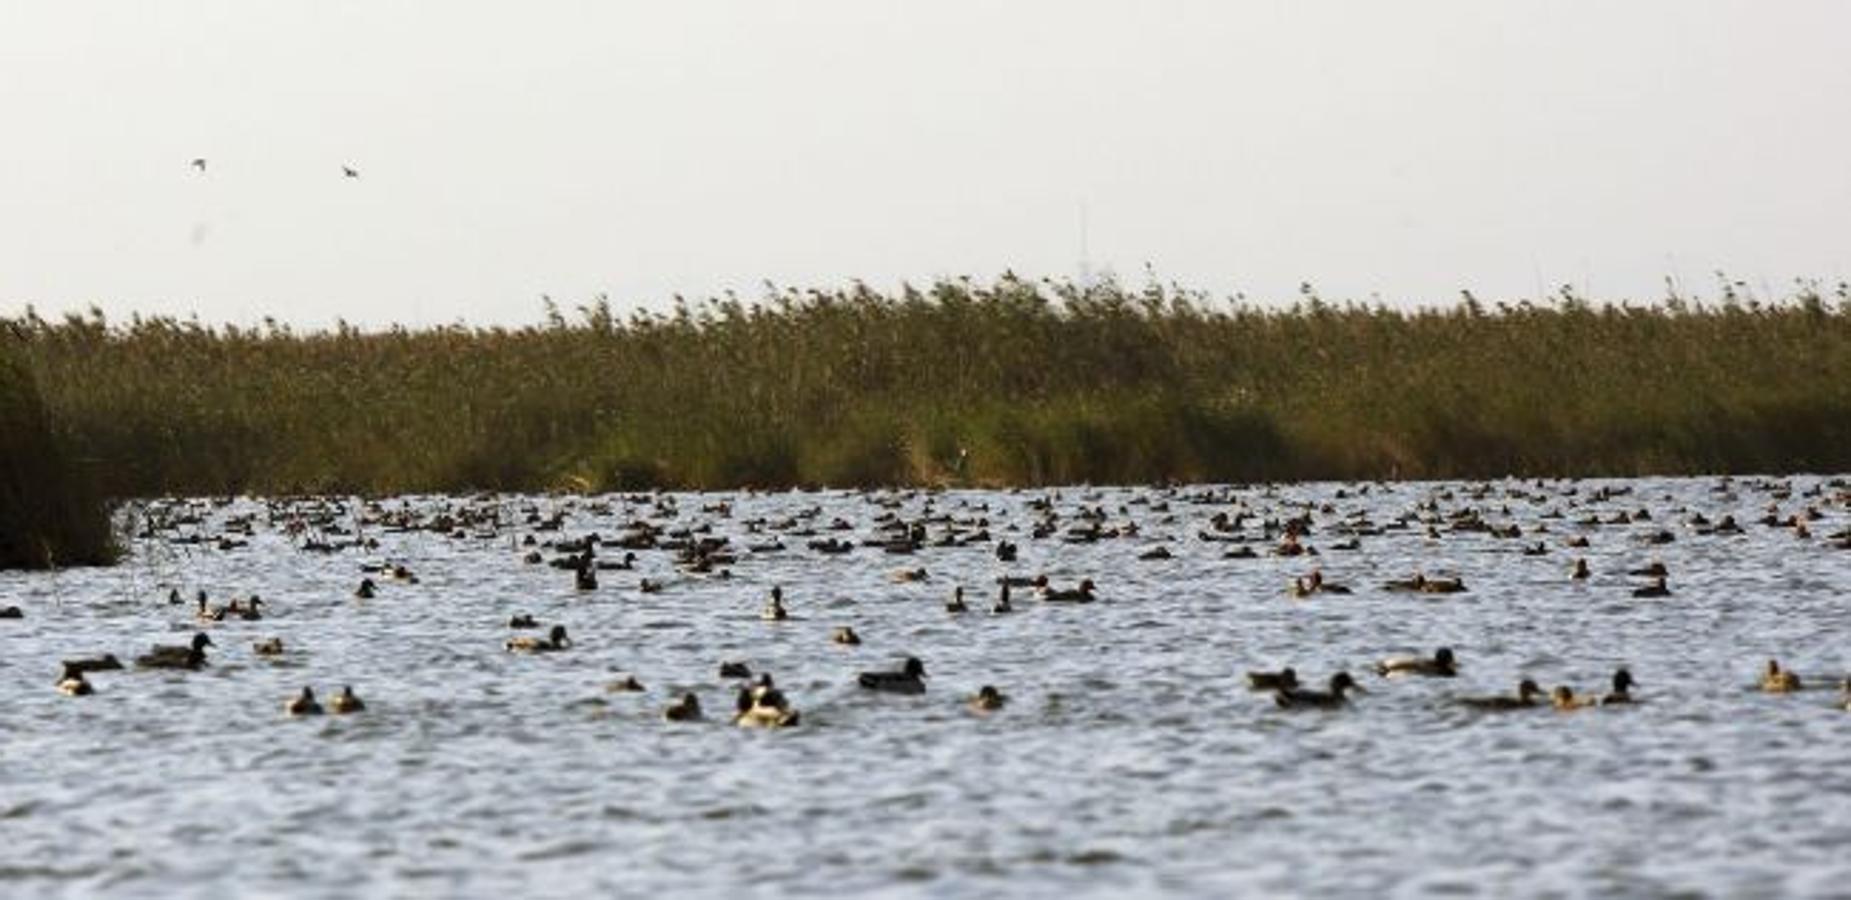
522 620
1656 589
910 679
1564 698
1414 583
625 685
1002 602
73 684
11 612
763 709
1777 680
904 576
1622 688
1580 571
205 612
585 578
1081 594
346 702
248 610
687 709
1655 570
774 611
303 704
1442 586
555 639
1283 680
1304 698
268 647
190 656
987 700
1441 665
735 670
106 662
1527 693
956 604
845 636
366 590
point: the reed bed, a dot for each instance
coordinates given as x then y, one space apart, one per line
49 515
1010 382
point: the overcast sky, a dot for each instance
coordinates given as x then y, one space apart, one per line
506 150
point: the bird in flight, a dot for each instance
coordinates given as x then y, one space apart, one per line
350 171
199 163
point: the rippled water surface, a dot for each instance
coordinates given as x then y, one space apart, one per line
1131 759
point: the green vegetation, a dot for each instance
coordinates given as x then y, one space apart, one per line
1013 382
48 515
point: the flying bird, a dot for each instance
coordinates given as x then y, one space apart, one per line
350 171
199 163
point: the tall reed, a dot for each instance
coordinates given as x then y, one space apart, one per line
48 515
1007 382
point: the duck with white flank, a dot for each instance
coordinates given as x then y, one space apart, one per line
1441 665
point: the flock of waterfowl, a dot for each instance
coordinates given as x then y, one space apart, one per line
712 545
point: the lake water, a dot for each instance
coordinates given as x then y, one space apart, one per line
1131 758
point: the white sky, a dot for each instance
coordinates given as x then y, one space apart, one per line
1403 149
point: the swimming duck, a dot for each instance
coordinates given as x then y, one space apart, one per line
177 657
904 576
247 610
73 684
1656 589
11 612
1284 679
1002 602
346 702
763 709
268 647
625 685
1655 570
1442 665
303 704
846 636
585 578
909 680
1156 553
956 603
104 663
1527 693
1442 586
1081 594
522 620
207 613
1563 698
1622 688
735 670
366 590
1414 583
988 699
1303 698
1777 680
555 640
775 611
687 709
1580 571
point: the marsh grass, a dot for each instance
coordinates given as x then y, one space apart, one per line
49 515
1009 382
